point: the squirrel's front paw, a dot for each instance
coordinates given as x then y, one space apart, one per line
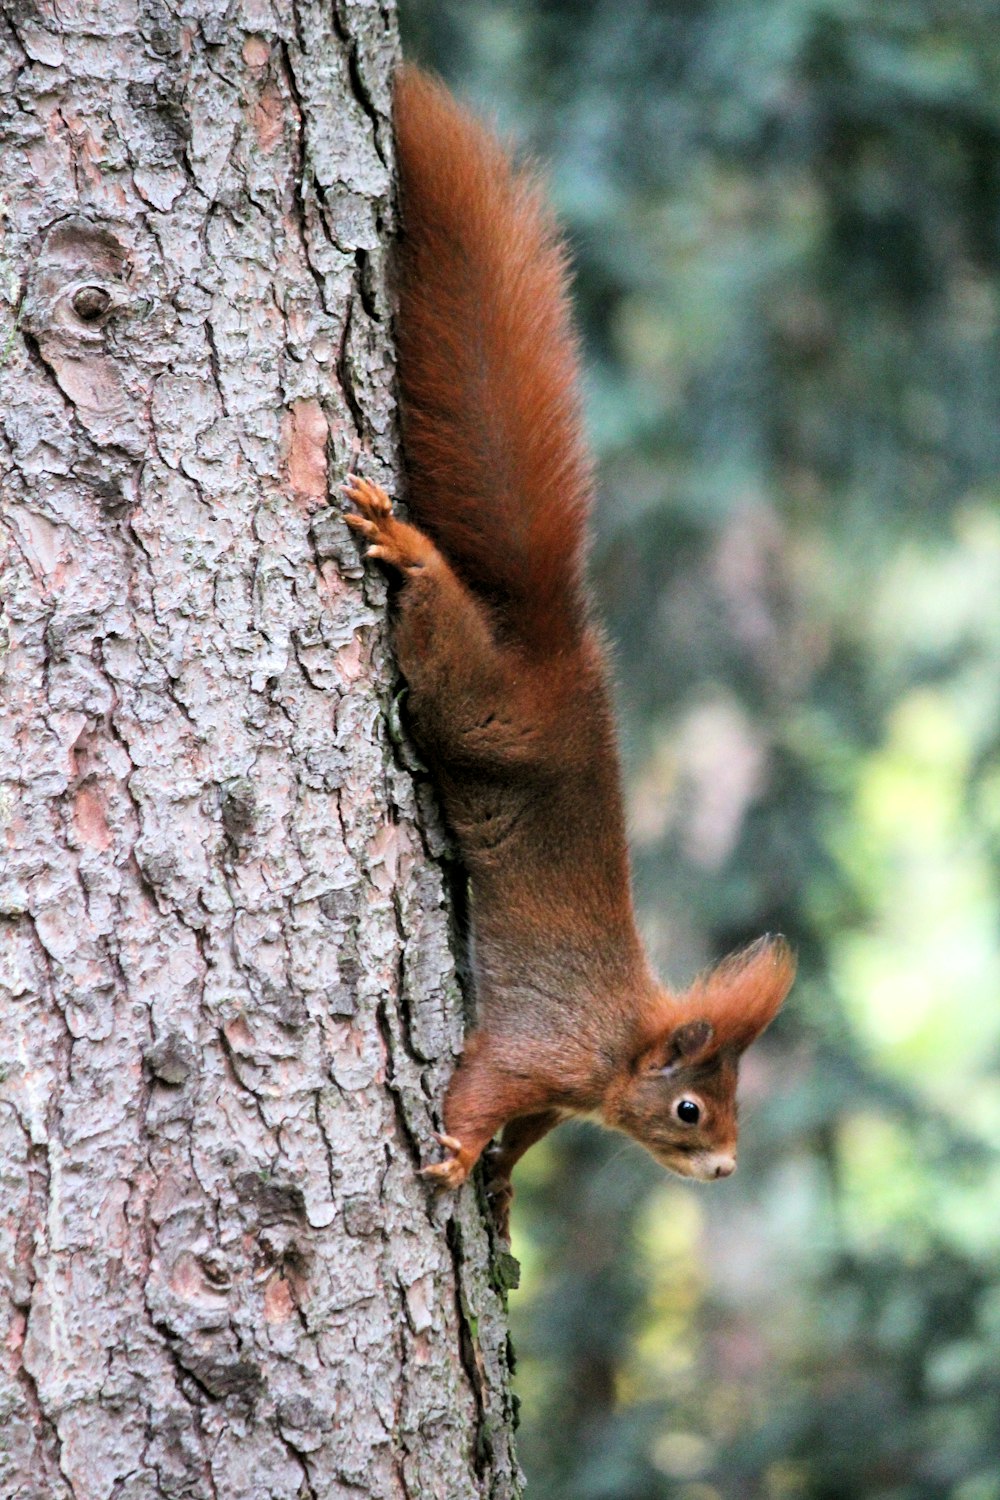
452 1172
371 500
392 541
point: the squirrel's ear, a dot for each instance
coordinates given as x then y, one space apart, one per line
743 994
680 1044
688 1040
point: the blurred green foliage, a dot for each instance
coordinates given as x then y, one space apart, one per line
786 222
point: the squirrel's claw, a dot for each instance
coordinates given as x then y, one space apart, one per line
362 524
371 499
393 542
452 1172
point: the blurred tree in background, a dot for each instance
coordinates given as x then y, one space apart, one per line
786 221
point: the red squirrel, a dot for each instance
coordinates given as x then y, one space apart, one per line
508 695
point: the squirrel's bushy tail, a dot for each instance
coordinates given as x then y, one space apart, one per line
499 474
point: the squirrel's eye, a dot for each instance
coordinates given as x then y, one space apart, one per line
687 1111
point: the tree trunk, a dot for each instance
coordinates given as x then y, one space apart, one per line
228 1001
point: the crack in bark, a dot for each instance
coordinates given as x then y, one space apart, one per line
307 223
214 364
358 86
346 375
45 1424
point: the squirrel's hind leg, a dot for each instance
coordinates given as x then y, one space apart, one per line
462 683
518 1135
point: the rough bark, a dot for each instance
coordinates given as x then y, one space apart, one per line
227 999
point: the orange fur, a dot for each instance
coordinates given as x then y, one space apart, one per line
743 994
508 695
498 473
739 997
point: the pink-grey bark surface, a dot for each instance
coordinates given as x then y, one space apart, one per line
228 1004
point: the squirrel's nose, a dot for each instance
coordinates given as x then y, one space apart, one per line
725 1166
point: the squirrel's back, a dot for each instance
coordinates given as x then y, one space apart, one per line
498 472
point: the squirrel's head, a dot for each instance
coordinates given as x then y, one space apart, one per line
678 1097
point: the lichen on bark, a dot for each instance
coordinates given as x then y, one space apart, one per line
229 1003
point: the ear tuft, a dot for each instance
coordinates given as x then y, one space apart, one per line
742 995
